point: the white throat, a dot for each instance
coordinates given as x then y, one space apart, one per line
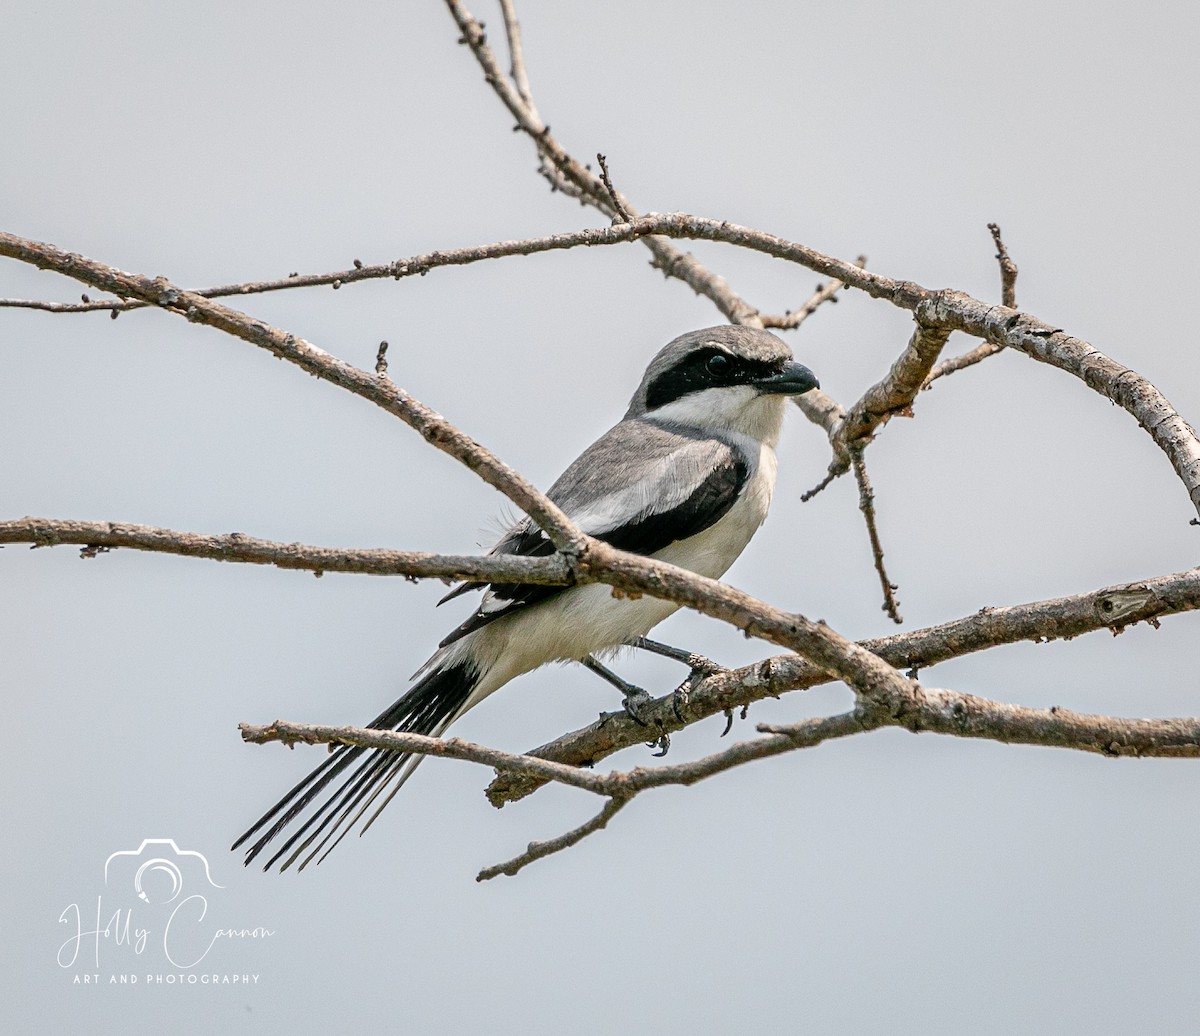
741 410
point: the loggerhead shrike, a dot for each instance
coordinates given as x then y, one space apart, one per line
685 477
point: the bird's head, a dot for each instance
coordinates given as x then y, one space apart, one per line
722 379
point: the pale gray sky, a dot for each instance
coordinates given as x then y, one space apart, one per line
886 883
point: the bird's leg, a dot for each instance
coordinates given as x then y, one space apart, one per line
695 662
635 698
700 667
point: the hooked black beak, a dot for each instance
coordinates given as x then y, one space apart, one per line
794 380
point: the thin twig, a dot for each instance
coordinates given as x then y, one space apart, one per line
834 472
1008 297
569 176
418 744
520 76
793 318
1008 269
622 215
866 504
956 363
538 850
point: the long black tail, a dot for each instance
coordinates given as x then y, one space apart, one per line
427 708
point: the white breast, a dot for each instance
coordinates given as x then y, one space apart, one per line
711 552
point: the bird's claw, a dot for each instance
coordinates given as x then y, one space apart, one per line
702 668
635 704
682 698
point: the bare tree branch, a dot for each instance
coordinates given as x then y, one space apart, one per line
883 696
935 310
418 744
866 504
589 559
434 428
572 178
567 175
520 76
538 850
927 710
793 318
1008 297
1063 618
893 395
882 692
622 216
1008 269
234 546
966 715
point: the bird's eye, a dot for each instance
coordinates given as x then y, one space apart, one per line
718 364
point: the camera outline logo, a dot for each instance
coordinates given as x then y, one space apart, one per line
173 867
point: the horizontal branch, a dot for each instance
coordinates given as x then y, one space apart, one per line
418 744
967 715
1063 618
933 711
236 547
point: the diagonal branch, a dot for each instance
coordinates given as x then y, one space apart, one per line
568 175
539 850
793 318
893 395
589 559
520 76
434 428
577 181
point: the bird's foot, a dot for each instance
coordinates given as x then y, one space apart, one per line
702 668
636 703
